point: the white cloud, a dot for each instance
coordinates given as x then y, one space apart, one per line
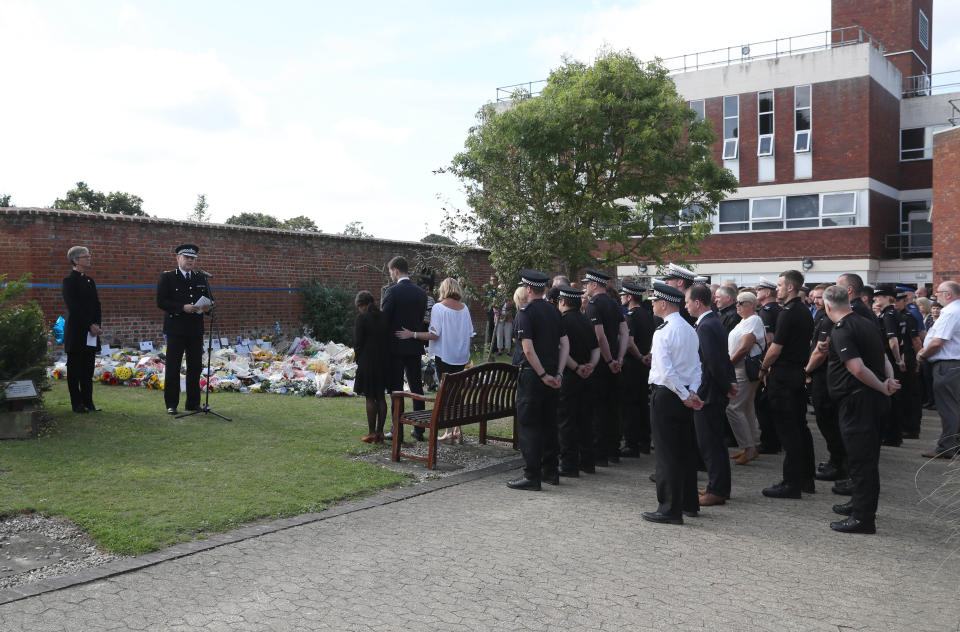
358 128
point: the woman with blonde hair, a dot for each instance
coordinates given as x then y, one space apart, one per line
451 329
745 340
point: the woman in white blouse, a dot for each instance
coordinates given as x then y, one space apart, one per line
451 329
747 338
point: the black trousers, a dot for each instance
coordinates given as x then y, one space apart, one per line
861 424
828 420
911 382
409 365
765 419
177 347
896 416
80 377
606 420
537 425
635 404
673 436
709 422
786 386
575 415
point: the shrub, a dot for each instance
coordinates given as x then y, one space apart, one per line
329 312
23 336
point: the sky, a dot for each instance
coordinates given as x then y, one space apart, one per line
337 111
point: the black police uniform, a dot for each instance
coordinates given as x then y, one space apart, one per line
910 382
576 405
83 310
184 333
769 441
861 408
539 322
634 388
786 386
603 310
894 328
825 409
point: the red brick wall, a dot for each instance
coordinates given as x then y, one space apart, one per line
884 220
252 267
895 23
946 205
916 174
884 148
841 141
834 243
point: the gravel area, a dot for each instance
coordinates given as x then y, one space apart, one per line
34 547
451 459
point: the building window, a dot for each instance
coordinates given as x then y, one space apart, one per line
839 209
765 123
802 121
766 213
731 127
699 108
803 211
913 144
734 215
923 29
794 212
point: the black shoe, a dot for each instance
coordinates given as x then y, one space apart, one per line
524 483
691 514
91 408
653 477
631 453
171 411
551 478
845 509
644 449
843 488
195 409
910 435
418 436
830 472
852 525
80 410
782 490
662 518
570 473
614 458
809 487
763 449
603 463
892 443
588 469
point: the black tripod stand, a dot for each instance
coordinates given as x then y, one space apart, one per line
205 408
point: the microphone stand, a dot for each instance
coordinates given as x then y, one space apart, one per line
205 408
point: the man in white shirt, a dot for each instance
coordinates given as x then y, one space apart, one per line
941 348
675 378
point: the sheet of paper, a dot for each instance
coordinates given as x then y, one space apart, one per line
241 349
224 342
91 340
146 345
203 302
216 343
104 349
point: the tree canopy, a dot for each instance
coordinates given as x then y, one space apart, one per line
5 200
355 229
434 238
606 165
201 211
255 218
83 198
302 223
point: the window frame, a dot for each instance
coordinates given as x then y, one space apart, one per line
923 149
732 142
702 112
923 30
784 222
760 114
798 133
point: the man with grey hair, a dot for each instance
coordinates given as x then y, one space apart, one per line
941 348
81 329
726 300
857 360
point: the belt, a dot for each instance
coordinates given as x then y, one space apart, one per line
655 386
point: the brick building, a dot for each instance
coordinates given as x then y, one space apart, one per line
257 272
946 205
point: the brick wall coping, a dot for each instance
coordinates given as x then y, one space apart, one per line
53 212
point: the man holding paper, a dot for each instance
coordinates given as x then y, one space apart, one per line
81 330
184 296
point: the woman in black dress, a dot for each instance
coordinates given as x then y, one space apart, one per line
370 339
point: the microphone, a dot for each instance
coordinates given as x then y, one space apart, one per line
205 273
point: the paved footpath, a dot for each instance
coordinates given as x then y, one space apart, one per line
477 556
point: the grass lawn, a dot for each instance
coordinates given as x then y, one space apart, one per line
137 480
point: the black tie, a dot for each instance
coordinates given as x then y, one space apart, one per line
188 276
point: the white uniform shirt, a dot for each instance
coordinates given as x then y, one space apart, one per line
675 357
946 327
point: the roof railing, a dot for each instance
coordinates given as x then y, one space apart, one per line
743 53
929 84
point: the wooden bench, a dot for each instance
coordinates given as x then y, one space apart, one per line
478 395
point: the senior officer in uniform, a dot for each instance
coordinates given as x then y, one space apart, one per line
611 330
680 278
860 380
768 312
544 348
783 373
634 392
576 403
83 320
675 378
177 291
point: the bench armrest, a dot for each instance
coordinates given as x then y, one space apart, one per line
421 398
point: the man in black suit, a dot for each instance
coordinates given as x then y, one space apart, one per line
404 305
726 300
83 320
177 292
718 384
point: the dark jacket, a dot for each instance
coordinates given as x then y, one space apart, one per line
173 292
718 372
83 310
404 305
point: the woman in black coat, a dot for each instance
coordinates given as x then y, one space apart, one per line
371 338
83 319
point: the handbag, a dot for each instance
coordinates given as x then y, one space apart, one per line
752 364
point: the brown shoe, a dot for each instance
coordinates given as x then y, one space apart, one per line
701 490
370 438
379 438
737 455
933 454
707 500
747 456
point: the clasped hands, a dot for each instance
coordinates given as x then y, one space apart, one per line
190 308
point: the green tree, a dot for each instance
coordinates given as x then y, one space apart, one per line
301 223
260 220
329 312
23 336
5 201
355 229
434 238
201 211
607 164
83 198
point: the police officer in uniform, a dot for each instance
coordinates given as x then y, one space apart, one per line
893 327
910 385
177 291
674 378
611 330
542 351
680 278
769 311
634 391
862 397
576 402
